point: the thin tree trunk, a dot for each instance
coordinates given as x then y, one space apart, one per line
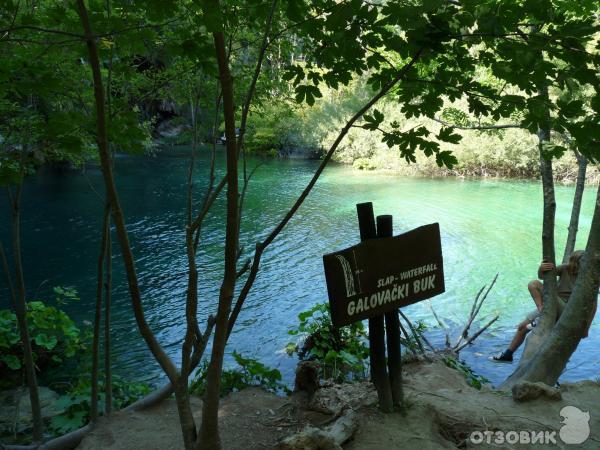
9 283
582 163
209 430
252 88
554 352
186 418
549 294
113 198
21 313
548 247
97 317
261 246
108 406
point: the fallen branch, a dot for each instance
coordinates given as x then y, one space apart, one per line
476 335
441 324
152 399
331 437
475 311
65 442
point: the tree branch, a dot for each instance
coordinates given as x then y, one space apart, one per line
477 127
261 246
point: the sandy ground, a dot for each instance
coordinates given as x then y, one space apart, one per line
249 419
443 410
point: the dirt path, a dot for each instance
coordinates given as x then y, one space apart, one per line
443 410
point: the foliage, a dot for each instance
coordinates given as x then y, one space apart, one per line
54 335
410 342
363 164
249 373
511 153
274 127
76 402
342 353
473 379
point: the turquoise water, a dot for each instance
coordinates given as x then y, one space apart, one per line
487 226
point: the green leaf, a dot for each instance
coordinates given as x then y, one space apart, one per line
570 109
349 358
446 134
11 361
372 122
446 158
48 342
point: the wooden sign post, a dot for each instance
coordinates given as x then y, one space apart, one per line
379 375
373 279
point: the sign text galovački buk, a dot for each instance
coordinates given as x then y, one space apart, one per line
381 275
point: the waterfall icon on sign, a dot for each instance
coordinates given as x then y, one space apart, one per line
349 275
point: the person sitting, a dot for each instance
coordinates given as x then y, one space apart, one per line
567 274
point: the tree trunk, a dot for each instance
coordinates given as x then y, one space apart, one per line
549 294
186 417
209 430
21 313
97 317
9 283
108 406
554 352
113 198
582 163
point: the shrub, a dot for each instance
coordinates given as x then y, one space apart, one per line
250 373
342 353
54 335
364 164
76 403
473 379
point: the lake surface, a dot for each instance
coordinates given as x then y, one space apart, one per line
487 226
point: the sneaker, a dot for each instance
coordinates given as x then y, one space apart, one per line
503 357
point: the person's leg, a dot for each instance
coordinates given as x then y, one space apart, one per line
535 289
519 337
522 330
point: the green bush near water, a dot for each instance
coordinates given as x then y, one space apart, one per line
54 336
473 379
342 353
76 402
57 342
249 372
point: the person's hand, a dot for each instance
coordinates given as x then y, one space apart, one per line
546 266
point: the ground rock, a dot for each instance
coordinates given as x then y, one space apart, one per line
525 391
307 377
333 398
15 408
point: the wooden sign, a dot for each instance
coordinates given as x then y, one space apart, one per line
382 275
